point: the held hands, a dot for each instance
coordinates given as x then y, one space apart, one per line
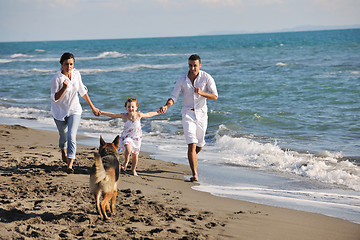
162 109
96 111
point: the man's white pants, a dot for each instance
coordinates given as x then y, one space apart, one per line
194 129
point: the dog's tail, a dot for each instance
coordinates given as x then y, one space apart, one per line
100 173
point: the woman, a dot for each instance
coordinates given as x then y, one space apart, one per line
66 108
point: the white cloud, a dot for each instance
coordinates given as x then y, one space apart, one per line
244 2
54 3
336 4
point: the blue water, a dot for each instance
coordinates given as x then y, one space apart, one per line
285 130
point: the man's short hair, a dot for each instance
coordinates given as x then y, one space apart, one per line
195 57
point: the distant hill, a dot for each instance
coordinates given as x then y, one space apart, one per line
294 29
317 28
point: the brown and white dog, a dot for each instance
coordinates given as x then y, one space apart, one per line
104 176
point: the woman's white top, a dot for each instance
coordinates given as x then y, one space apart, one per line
69 103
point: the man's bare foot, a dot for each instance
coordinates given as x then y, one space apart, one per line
135 173
194 179
123 168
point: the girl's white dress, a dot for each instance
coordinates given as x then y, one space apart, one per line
132 134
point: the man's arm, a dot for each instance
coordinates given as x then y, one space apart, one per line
168 104
209 96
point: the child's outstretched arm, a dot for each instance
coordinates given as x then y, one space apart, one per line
148 114
112 115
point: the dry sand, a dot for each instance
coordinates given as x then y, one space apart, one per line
40 201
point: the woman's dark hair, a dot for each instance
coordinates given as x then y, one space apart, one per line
195 57
66 56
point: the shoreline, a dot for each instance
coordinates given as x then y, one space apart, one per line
40 200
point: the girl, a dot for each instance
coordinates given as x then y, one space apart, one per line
131 137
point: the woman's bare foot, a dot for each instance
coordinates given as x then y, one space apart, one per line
63 155
135 173
70 163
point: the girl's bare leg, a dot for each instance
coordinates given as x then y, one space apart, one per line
127 156
135 159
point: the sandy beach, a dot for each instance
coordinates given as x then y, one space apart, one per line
39 200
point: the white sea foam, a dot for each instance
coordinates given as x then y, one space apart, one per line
325 168
29 60
281 64
131 68
110 54
5 60
25 113
26 72
37 70
336 203
219 112
19 55
345 199
161 55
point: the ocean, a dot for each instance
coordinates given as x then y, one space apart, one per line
285 130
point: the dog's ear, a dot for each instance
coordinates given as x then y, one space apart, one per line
116 141
102 142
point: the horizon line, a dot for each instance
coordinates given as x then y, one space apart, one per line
214 33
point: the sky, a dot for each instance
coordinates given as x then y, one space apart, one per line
43 20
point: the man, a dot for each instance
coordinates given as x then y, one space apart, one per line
196 86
